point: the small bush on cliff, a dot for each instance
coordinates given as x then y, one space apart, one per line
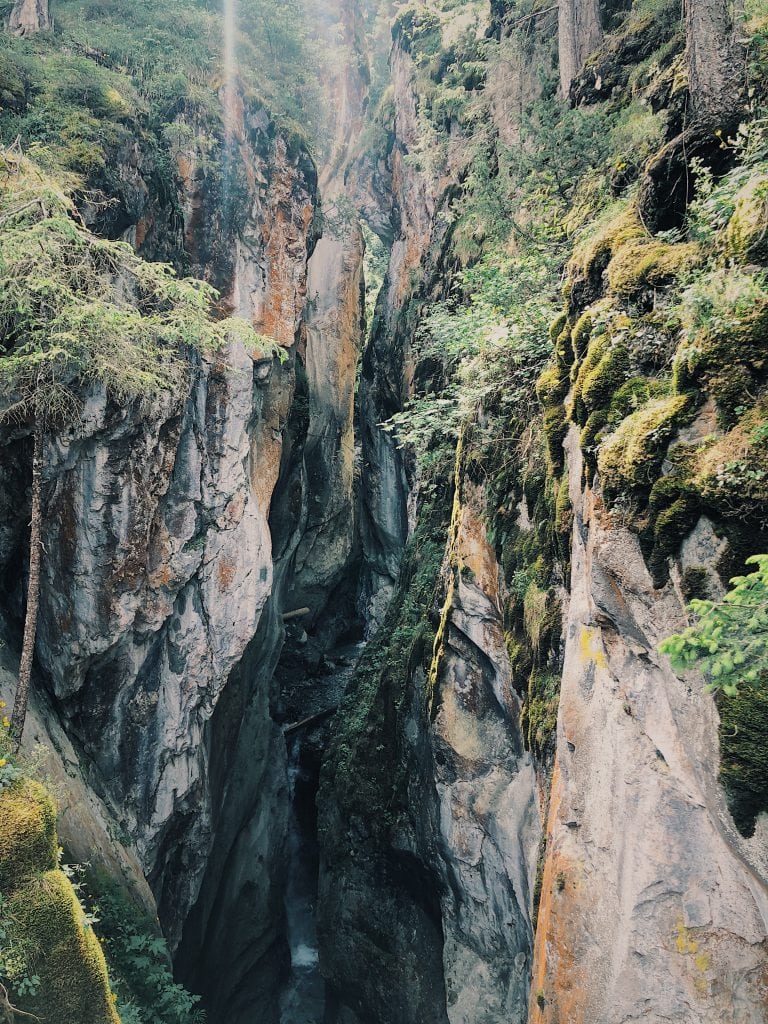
138 958
729 642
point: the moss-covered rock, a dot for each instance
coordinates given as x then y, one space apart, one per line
552 386
603 371
557 326
670 528
744 754
600 384
28 843
618 226
590 439
581 333
636 392
629 460
725 349
746 236
47 922
731 472
540 713
563 508
648 263
67 957
555 431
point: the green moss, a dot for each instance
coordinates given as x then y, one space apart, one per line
670 528
581 334
47 920
731 472
630 458
563 508
28 843
647 263
74 988
557 326
590 439
540 720
619 225
12 84
725 316
695 583
555 431
603 372
564 349
594 354
744 754
552 386
418 31
634 393
746 236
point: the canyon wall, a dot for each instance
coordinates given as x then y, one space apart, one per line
520 809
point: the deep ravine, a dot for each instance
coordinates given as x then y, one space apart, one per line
347 679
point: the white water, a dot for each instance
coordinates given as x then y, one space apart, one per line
303 1000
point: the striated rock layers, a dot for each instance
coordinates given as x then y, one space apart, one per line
159 556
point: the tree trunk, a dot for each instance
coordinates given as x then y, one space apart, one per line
33 591
716 61
28 17
579 35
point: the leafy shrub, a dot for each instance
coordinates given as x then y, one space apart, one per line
140 964
729 642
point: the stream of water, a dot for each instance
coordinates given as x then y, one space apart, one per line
303 998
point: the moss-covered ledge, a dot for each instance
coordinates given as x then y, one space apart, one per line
50 960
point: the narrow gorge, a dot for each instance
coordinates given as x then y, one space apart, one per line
386 385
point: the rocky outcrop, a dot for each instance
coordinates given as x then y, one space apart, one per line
485 781
387 365
159 551
28 17
652 903
331 342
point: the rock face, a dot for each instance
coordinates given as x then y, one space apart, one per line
160 555
652 904
387 369
28 17
331 342
178 536
452 876
486 788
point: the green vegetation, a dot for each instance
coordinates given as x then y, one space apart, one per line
368 779
119 69
51 963
138 957
729 642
